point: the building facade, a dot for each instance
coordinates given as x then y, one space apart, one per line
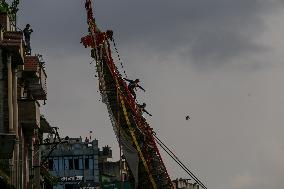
184 184
74 162
22 87
78 164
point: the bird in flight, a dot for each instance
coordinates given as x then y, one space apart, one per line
187 117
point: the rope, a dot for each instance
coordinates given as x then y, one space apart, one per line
120 61
176 159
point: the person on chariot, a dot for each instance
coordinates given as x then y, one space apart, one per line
132 85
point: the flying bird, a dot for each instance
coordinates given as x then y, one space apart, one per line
187 117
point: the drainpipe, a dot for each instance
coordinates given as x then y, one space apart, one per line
16 124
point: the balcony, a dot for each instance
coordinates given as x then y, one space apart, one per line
29 115
11 41
35 77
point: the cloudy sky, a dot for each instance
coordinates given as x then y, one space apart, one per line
220 61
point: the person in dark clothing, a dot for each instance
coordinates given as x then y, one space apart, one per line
27 34
142 108
133 84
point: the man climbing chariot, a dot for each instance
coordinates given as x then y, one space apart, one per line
133 84
142 109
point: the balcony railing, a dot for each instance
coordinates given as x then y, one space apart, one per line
12 42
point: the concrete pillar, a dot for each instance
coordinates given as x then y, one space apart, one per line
21 158
10 113
15 101
30 163
36 162
15 125
10 92
1 35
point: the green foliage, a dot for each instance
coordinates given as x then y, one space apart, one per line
4 7
49 179
4 175
4 168
12 9
4 178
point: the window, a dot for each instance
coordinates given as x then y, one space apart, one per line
71 164
81 167
50 164
89 162
24 93
66 163
76 163
86 163
61 164
55 164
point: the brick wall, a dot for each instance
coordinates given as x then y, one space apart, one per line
13 35
31 63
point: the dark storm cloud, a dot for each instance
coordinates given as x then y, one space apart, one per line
235 137
208 32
